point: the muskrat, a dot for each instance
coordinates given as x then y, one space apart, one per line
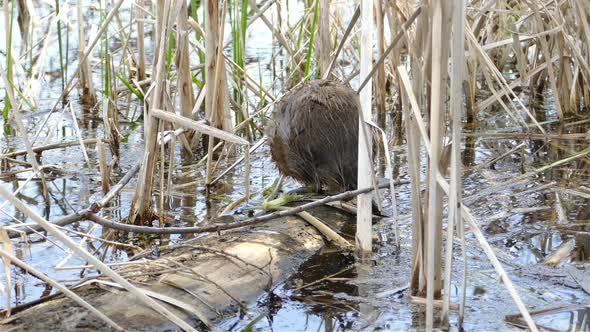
313 135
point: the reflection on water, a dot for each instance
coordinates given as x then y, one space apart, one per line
576 320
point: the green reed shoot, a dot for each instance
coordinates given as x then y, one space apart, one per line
239 42
20 94
243 28
8 61
300 33
170 52
129 86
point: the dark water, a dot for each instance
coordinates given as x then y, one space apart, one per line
525 223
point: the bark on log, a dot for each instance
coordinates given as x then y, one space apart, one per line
212 274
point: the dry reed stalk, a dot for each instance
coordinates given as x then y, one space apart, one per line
157 37
395 55
128 63
455 197
380 91
122 35
51 229
413 142
365 133
6 286
142 199
220 94
216 105
330 234
162 174
324 48
417 282
420 53
87 92
11 174
521 59
103 167
110 117
364 201
139 14
419 261
185 83
434 223
24 24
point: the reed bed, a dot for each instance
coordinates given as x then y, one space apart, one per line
432 70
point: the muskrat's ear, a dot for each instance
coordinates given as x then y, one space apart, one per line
314 87
284 108
269 129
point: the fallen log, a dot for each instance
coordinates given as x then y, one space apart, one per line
205 279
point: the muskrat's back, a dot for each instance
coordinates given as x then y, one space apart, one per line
313 135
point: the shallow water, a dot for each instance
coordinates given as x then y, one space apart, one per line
525 223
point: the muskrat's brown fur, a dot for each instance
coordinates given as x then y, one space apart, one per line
313 135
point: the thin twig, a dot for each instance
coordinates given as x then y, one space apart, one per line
216 227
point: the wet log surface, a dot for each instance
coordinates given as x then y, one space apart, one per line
211 277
